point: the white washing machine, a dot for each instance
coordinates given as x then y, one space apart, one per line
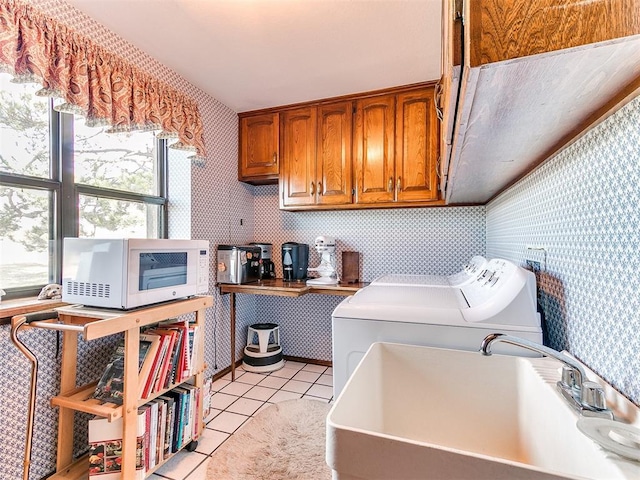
500 299
466 275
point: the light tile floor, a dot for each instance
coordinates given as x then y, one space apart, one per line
233 403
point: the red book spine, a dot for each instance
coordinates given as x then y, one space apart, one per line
166 362
155 368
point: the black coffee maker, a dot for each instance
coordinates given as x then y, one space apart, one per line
295 261
267 267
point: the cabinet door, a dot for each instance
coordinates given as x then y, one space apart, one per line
417 146
259 149
374 149
333 161
297 173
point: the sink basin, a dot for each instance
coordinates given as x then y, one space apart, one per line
411 412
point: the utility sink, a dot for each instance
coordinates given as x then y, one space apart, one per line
411 412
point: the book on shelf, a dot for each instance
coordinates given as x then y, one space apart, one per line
163 374
189 360
172 378
194 404
157 365
110 387
162 425
175 444
168 433
105 448
195 351
147 362
191 354
153 407
180 397
185 360
146 411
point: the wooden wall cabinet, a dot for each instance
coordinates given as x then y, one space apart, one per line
396 148
375 149
372 150
316 155
259 149
534 77
417 148
298 175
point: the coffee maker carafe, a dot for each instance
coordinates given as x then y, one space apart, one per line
295 261
267 267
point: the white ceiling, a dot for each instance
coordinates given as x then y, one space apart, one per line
252 54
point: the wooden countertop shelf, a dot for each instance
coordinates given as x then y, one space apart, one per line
22 306
102 322
279 288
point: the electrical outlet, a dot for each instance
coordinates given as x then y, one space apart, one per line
536 258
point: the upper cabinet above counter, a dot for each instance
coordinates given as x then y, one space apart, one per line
523 79
372 150
259 149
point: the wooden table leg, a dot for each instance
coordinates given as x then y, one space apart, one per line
232 304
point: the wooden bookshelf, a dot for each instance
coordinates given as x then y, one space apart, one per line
98 323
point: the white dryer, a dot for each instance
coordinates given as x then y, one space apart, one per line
500 299
468 273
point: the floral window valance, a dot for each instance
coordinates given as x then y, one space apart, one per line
86 79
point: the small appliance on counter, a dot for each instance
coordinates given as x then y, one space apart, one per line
238 263
295 261
126 273
267 267
326 247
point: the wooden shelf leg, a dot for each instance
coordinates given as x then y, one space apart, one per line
232 304
130 402
66 415
199 378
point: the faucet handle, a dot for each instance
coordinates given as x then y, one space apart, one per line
568 378
592 396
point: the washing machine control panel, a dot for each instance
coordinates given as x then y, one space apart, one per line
496 275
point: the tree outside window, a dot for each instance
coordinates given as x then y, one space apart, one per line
116 182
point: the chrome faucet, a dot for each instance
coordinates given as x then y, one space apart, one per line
585 396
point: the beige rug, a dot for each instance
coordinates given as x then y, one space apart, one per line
285 441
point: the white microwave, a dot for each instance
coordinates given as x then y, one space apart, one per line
130 273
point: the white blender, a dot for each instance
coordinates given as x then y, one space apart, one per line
326 247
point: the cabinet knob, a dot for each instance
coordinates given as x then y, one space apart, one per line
313 189
390 185
398 184
319 188
275 157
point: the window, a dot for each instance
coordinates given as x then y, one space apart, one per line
60 178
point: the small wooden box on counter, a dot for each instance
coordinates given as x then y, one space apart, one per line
350 267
